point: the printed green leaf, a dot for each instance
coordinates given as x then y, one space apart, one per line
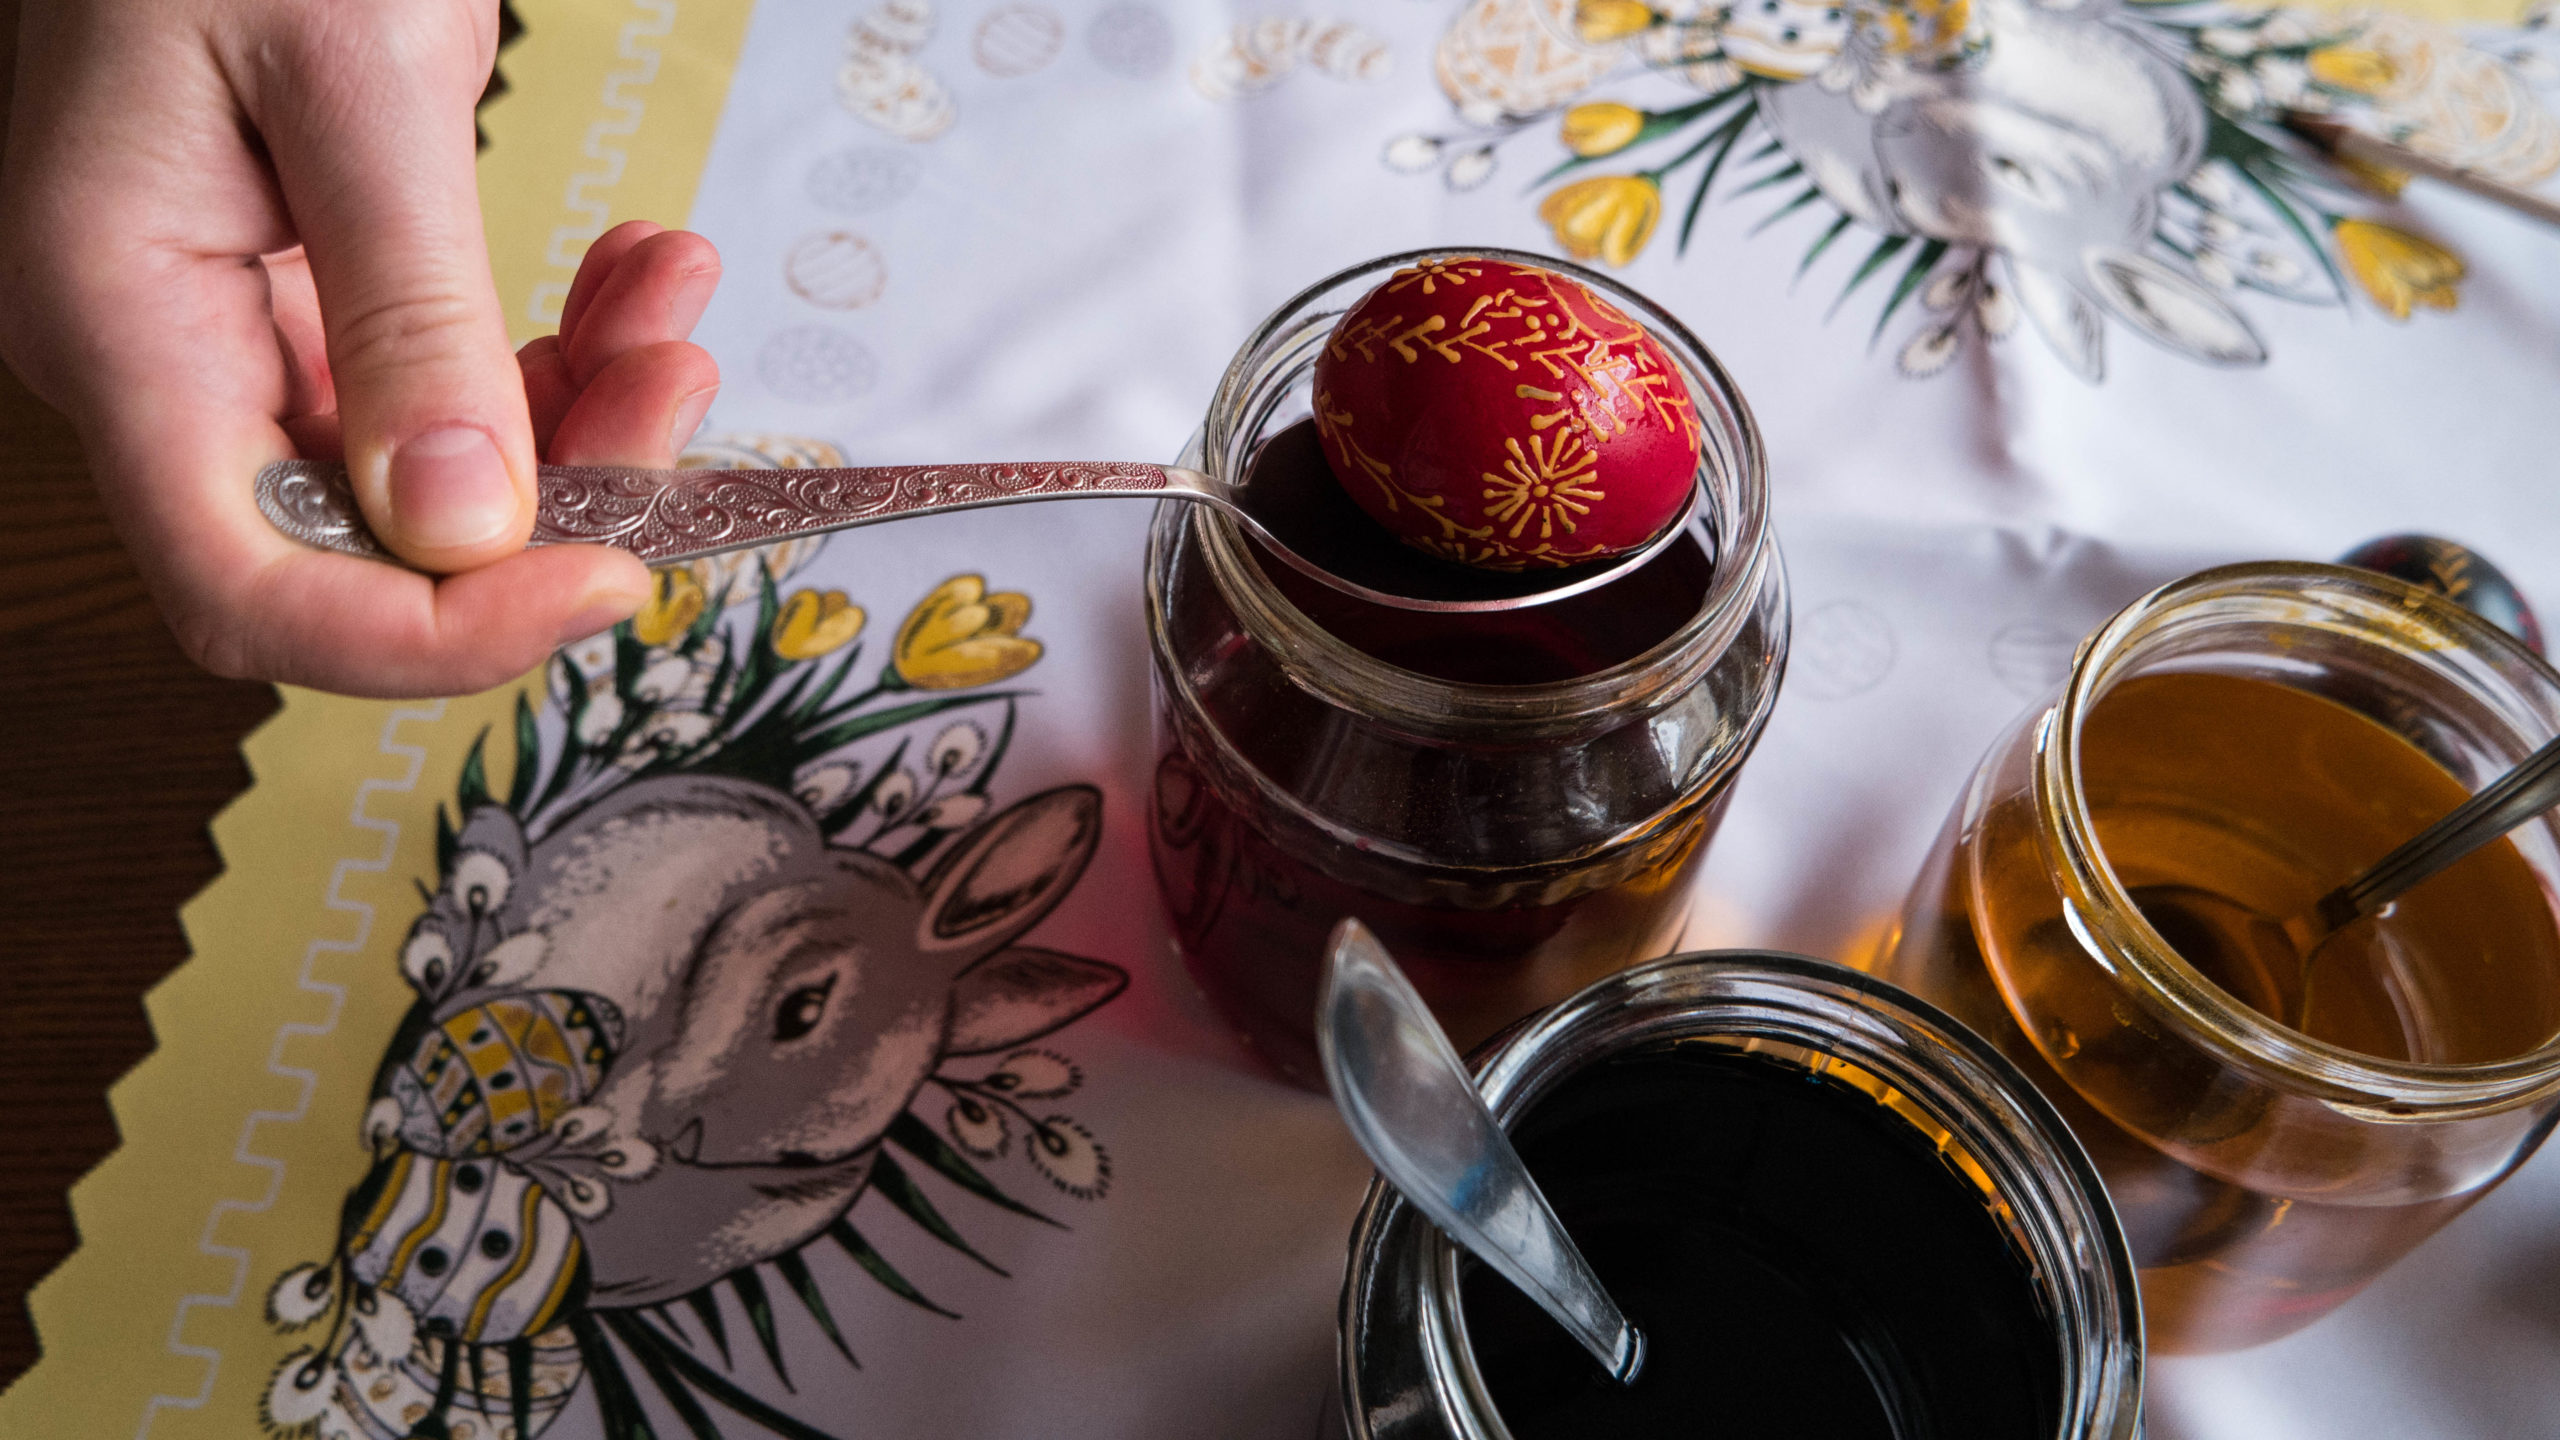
1731 135
706 1308
432 1425
1923 261
448 841
1821 245
854 729
471 791
679 1395
1886 249
911 1134
880 1269
891 1182
760 1315
1809 195
520 1384
615 1400
528 756
2293 219
846 809
706 1381
795 1273
1779 176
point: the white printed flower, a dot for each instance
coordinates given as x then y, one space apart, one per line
301 1295
980 1128
385 1321
1930 351
480 881
897 793
2212 185
1035 1075
952 812
1412 154
299 1391
955 750
2227 40
2274 266
1471 169
2214 270
1997 312
2236 90
1065 1152
2282 79
2217 228
601 718
671 680
822 786
1945 290
676 730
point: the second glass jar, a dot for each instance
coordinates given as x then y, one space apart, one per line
1509 842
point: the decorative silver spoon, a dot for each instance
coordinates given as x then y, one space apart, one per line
1415 1110
664 516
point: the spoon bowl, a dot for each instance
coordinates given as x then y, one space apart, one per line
1417 1114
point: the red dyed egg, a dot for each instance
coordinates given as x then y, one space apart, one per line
1505 416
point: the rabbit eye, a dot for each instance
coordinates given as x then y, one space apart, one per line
798 1014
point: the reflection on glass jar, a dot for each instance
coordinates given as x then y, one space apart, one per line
1515 803
1829 1209
2280 1115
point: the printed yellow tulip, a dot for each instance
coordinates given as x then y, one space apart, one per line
2398 269
1610 216
1601 21
961 636
2346 67
675 602
813 622
1602 127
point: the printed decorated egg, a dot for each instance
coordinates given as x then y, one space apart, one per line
1504 416
2458 573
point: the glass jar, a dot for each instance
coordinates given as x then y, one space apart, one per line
2263 1175
1408 1369
1508 841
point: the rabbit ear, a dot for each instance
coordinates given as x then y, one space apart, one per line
1022 994
2174 309
1010 871
2068 323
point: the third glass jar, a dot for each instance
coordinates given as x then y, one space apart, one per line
2275 1132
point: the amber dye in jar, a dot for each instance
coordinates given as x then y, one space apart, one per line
2278 1122
1515 802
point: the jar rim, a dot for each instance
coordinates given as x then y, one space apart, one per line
1954 1075
2359 605
1745 551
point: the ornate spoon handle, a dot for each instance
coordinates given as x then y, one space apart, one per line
670 515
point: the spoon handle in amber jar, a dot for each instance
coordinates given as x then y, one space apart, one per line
2502 805
664 516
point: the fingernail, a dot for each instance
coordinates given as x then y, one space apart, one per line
599 614
689 413
449 489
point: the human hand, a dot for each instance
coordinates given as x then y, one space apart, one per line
235 229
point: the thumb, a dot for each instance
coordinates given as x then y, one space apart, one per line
369 123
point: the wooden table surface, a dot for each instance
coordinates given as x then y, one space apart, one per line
114 753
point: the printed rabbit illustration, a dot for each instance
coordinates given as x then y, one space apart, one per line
2043 132
771 1004
655 1048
